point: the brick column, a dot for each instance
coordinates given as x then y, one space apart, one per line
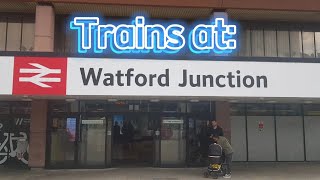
223 117
43 42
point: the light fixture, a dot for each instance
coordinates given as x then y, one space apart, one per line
233 101
112 100
271 101
70 100
307 102
154 100
194 100
26 99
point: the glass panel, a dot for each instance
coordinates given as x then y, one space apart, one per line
71 42
290 138
14 35
317 39
198 140
295 44
154 107
21 108
4 139
199 107
133 137
63 141
270 43
257 43
308 44
20 140
173 141
283 44
288 109
312 134
3 34
238 109
4 108
259 109
27 36
92 143
119 106
263 136
245 43
174 107
93 106
311 110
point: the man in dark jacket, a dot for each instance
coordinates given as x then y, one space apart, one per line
214 129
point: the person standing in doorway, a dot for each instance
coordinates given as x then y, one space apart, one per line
227 153
214 129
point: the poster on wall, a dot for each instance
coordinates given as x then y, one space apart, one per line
71 129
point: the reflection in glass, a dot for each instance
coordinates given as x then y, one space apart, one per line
295 44
3 35
270 43
237 109
308 44
14 36
259 109
92 142
257 43
245 43
317 41
173 141
27 36
288 110
283 43
62 141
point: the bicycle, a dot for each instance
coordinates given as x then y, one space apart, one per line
22 147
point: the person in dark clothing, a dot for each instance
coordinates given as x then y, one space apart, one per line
214 129
128 133
116 133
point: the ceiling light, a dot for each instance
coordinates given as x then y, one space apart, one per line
70 100
271 101
154 100
307 102
233 101
26 99
112 100
194 100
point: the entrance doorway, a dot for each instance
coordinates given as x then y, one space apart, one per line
133 139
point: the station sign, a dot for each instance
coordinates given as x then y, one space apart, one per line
141 35
108 77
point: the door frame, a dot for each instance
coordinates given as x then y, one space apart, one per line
50 117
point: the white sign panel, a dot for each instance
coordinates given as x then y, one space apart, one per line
92 121
6 75
191 78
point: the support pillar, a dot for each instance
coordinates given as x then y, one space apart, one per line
223 117
43 42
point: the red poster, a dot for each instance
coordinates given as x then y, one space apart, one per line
39 76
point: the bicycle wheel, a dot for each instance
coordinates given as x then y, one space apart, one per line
3 155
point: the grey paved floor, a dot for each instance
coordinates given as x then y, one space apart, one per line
265 171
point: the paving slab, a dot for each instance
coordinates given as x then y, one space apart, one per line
244 171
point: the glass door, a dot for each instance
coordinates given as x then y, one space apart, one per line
173 140
92 140
63 139
133 139
197 139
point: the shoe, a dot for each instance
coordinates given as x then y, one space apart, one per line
227 176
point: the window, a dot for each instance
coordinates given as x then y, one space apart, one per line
308 44
270 43
295 44
257 42
16 33
283 43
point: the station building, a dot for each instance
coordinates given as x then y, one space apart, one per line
64 104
